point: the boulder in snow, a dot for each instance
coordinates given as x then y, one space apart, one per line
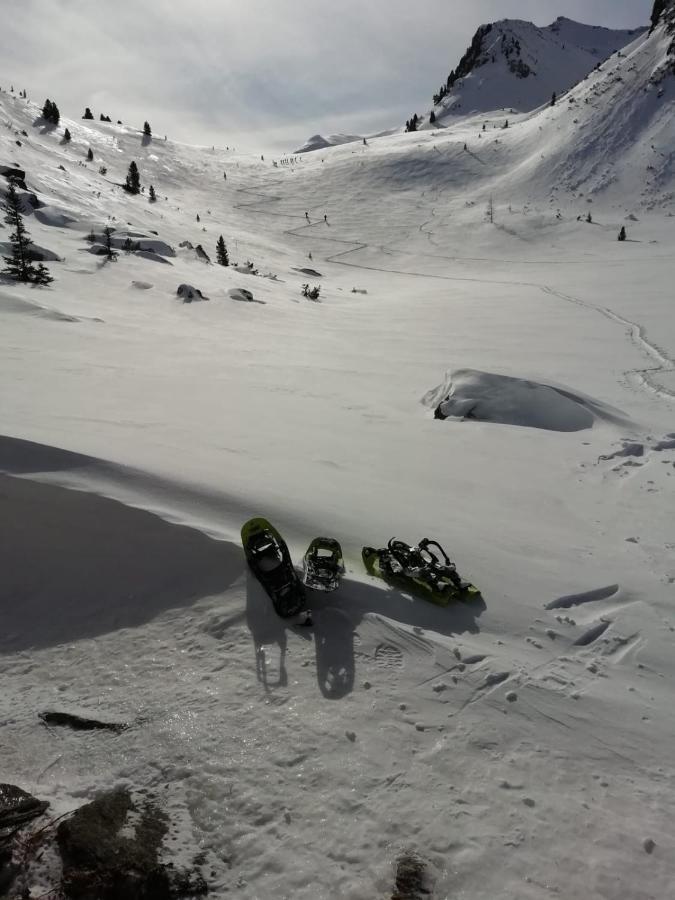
190 294
241 294
11 173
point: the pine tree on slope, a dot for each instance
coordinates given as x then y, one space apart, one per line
19 265
133 182
221 252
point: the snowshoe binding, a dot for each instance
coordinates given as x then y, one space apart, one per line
425 570
323 565
270 561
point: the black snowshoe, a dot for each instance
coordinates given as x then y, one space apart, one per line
323 565
270 561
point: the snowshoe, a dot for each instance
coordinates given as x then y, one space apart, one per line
421 570
323 565
270 561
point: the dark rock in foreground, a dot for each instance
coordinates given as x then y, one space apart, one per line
110 851
18 807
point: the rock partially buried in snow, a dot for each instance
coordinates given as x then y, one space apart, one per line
503 399
142 285
190 294
18 807
111 848
241 294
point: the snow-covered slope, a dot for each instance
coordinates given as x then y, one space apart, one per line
319 142
515 65
522 745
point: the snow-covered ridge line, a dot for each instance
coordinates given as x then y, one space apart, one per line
513 64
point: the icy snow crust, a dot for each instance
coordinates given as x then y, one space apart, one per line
523 745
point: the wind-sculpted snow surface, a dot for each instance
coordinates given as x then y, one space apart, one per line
503 399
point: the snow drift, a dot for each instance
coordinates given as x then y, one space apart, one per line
502 399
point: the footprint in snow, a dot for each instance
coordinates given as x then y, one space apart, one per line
388 657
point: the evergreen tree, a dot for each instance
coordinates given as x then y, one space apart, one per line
221 252
47 110
19 265
56 115
432 117
622 233
67 136
589 219
90 155
110 253
88 114
554 99
153 195
133 182
146 129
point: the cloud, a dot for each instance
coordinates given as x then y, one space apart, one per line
261 74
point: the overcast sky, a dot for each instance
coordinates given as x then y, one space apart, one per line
258 74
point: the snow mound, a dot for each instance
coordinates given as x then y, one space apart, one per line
505 400
319 142
35 253
165 566
56 218
12 304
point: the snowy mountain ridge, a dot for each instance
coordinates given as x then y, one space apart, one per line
516 65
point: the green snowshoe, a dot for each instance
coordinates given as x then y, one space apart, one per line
323 565
425 570
270 561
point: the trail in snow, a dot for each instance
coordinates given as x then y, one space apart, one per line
638 334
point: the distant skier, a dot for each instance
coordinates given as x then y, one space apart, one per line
307 216
325 218
310 254
198 219
365 142
225 176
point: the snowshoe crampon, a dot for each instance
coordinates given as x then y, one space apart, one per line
323 565
270 561
424 570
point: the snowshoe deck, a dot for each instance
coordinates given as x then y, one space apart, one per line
415 570
323 565
270 561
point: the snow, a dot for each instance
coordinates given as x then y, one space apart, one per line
319 142
488 397
522 745
555 57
